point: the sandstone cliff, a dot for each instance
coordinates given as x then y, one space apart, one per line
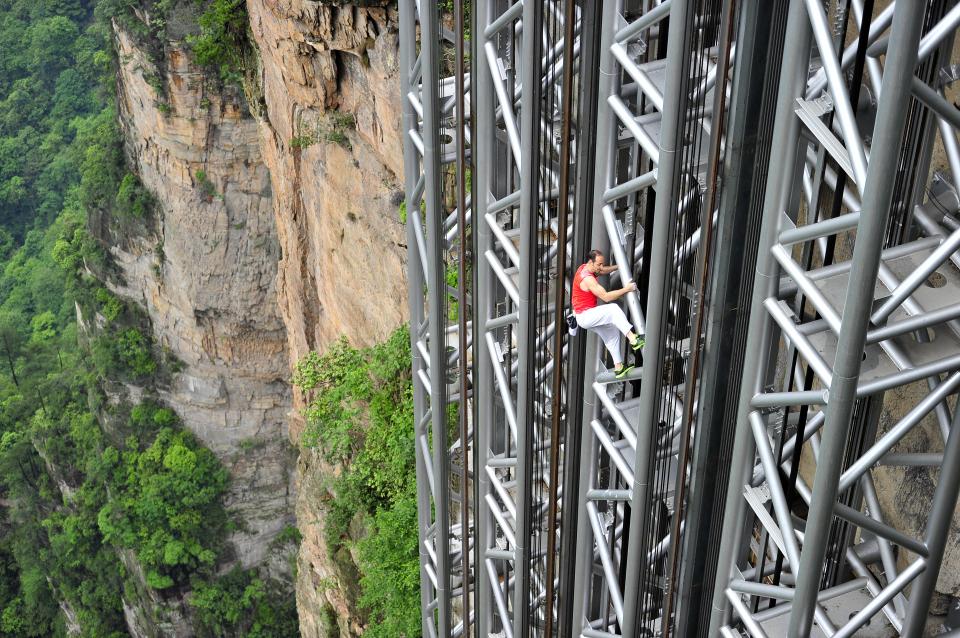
330 135
278 232
206 276
335 197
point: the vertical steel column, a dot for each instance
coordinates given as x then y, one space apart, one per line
660 263
607 150
786 133
483 142
505 460
891 114
526 333
436 291
411 164
563 213
571 596
700 319
743 169
606 127
463 339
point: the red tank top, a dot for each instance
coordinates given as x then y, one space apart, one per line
581 299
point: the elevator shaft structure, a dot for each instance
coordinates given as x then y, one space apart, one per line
777 180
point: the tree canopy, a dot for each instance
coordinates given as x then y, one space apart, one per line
85 480
360 416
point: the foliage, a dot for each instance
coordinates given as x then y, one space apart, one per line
110 304
446 8
124 12
148 417
360 414
452 279
223 40
343 120
289 534
49 439
167 506
241 604
71 493
132 200
339 382
206 186
390 568
123 354
301 141
51 81
334 130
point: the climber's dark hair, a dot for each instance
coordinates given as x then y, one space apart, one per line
593 254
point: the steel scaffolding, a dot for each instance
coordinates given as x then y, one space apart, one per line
777 180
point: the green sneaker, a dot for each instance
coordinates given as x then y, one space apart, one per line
639 343
622 372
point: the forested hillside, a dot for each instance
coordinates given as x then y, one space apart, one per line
91 490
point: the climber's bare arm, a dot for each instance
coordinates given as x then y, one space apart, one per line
590 284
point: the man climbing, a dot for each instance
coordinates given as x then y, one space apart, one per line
607 320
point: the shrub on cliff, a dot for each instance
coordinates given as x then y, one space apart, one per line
223 41
339 384
390 570
242 604
124 354
360 415
133 200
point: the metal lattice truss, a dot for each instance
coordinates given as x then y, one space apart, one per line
508 457
846 309
873 321
639 131
512 353
434 244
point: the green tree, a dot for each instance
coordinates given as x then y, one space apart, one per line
241 604
390 567
10 343
49 48
168 507
43 328
132 199
223 40
360 414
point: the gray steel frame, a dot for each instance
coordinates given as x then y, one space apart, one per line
868 305
427 103
623 428
505 578
860 345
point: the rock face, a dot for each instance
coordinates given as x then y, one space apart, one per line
342 270
906 494
206 275
330 135
277 233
